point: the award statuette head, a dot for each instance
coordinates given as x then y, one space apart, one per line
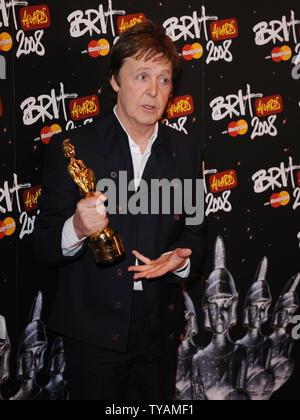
106 245
83 177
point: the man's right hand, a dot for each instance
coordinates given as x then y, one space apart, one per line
90 216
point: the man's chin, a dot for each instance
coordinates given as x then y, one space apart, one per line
149 121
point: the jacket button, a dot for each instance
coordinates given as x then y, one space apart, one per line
116 337
118 305
172 307
114 175
120 272
172 336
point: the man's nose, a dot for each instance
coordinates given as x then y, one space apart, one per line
152 88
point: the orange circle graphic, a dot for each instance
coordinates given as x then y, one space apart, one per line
243 127
285 198
6 42
197 51
286 53
104 47
10 226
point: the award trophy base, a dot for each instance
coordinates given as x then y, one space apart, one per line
107 246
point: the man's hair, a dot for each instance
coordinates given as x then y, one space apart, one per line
145 40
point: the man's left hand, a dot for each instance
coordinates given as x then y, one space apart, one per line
165 264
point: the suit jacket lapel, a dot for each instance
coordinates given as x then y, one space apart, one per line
161 163
116 149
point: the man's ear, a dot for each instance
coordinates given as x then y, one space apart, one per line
114 84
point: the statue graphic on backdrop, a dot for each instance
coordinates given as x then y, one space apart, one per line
5 350
186 351
31 355
56 388
253 368
258 381
216 372
280 343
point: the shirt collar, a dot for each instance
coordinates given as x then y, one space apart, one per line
133 145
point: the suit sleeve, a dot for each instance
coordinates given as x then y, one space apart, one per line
57 204
193 237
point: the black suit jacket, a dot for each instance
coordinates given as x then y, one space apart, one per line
93 304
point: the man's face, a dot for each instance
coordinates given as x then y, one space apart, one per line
143 90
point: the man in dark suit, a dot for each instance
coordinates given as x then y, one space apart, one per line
122 323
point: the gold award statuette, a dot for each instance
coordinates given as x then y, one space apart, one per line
106 244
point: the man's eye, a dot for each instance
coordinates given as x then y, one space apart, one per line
142 77
166 81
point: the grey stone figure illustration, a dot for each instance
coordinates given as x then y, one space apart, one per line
215 370
280 343
258 381
253 368
5 350
32 354
55 389
186 351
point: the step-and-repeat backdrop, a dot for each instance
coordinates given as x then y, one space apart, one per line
239 95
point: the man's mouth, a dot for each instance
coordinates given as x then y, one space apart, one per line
149 108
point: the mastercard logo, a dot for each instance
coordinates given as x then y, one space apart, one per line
6 42
99 48
239 128
278 200
48 132
7 227
190 52
281 54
